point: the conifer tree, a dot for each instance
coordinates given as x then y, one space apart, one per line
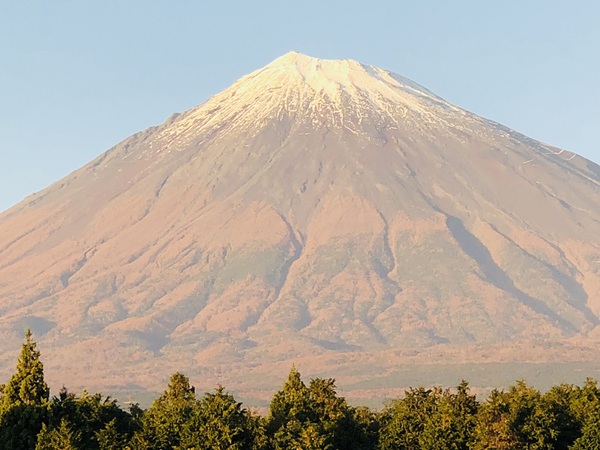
516 420
290 410
586 407
24 400
219 422
27 385
109 437
562 403
452 425
313 417
404 420
89 415
163 423
61 438
292 402
334 417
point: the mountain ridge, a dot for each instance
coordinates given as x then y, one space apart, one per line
301 213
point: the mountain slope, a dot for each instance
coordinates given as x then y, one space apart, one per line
317 211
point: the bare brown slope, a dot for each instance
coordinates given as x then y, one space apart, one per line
316 211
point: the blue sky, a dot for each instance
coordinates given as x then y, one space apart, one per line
77 77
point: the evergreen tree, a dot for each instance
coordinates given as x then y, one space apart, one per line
109 438
313 417
586 408
585 403
43 438
60 438
24 399
219 422
292 402
516 420
366 435
560 402
27 385
290 409
404 420
333 417
163 423
452 424
88 415
312 436
19 426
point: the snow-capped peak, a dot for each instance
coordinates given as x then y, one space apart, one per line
292 57
320 92
346 73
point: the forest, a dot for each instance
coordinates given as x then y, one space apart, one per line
301 416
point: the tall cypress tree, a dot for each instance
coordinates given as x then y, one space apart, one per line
24 400
290 411
27 385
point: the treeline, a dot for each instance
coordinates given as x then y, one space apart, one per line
301 417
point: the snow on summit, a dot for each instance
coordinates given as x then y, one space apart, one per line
320 92
333 76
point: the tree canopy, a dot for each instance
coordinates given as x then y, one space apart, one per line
301 417
27 385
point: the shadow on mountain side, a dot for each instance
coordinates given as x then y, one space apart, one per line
336 346
495 275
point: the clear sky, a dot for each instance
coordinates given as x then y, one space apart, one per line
76 77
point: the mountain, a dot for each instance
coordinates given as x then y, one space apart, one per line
324 213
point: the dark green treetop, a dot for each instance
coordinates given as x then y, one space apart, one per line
59 438
109 438
218 422
91 415
163 423
517 419
452 424
313 417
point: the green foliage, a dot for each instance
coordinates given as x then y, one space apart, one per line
292 402
290 408
313 417
90 415
19 426
585 406
590 437
403 421
27 385
585 403
366 433
109 437
452 424
433 419
59 438
23 408
218 422
560 403
301 417
517 419
336 421
163 423
312 436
